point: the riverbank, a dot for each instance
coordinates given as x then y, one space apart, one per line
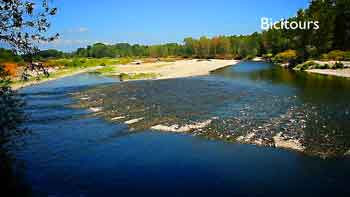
157 70
53 76
72 148
177 69
234 108
329 68
333 68
334 72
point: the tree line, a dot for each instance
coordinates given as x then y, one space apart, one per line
204 47
334 34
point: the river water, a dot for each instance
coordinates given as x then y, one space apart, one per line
94 136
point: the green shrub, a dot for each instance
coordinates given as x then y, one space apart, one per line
268 55
106 70
347 56
308 65
74 63
286 56
336 55
324 66
304 67
83 62
11 105
338 65
124 60
324 57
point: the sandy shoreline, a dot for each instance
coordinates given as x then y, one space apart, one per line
178 69
164 70
19 85
334 72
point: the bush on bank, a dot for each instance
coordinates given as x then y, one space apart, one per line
286 58
336 55
313 65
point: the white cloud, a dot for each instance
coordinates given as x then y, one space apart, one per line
78 30
104 42
66 42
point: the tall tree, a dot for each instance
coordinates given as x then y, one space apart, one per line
204 47
22 25
342 25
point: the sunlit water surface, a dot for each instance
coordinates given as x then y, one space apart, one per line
76 148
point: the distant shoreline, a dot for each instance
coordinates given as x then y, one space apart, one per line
331 72
158 70
177 69
22 84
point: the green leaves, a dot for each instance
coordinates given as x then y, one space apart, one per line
23 24
29 7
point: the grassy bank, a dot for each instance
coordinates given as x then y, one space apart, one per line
319 65
63 67
106 70
85 62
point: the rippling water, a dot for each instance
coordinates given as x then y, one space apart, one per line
93 136
251 103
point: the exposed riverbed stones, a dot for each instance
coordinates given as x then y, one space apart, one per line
95 109
266 120
118 118
281 142
132 121
184 128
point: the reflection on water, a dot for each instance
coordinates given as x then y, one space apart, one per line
76 152
12 174
11 118
323 100
252 103
45 104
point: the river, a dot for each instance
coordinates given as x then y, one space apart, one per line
93 136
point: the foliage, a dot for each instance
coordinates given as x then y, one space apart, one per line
267 56
338 65
286 56
84 62
287 45
50 53
333 34
11 68
336 55
334 20
11 115
11 107
8 56
216 47
308 65
23 23
106 70
314 65
347 56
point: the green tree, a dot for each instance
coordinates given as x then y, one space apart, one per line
342 25
22 24
204 47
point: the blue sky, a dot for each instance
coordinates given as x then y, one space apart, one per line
83 22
